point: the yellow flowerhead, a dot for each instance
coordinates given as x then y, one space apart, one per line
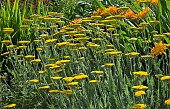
115 53
80 77
29 56
44 87
93 81
24 27
139 106
97 72
72 84
140 87
34 81
50 41
11 46
35 61
108 64
141 73
167 101
8 30
165 78
42 71
6 42
54 91
68 92
10 105
139 93
132 54
6 53
56 77
68 79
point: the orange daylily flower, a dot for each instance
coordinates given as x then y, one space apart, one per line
159 49
97 12
154 2
76 21
112 9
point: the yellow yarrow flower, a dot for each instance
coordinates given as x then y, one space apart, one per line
159 36
132 54
50 41
66 57
109 45
72 84
82 48
36 41
6 53
22 47
140 87
139 93
51 59
44 35
24 42
29 56
49 65
141 73
98 72
39 49
64 61
6 42
62 44
108 64
8 30
60 22
146 56
11 46
35 61
56 77
42 71
28 21
68 79
165 78
79 35
139 106
54 27
79 77
110 50
55 67
92 45
59 70
93 81
10 105
167 102
35 16
54 91
58 63
44 87
82 39
34 81
24 27
116 53
68 92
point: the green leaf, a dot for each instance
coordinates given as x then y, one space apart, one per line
100 4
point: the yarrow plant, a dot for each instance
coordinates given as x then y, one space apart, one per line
110 57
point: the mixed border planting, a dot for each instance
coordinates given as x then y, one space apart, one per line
85 54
